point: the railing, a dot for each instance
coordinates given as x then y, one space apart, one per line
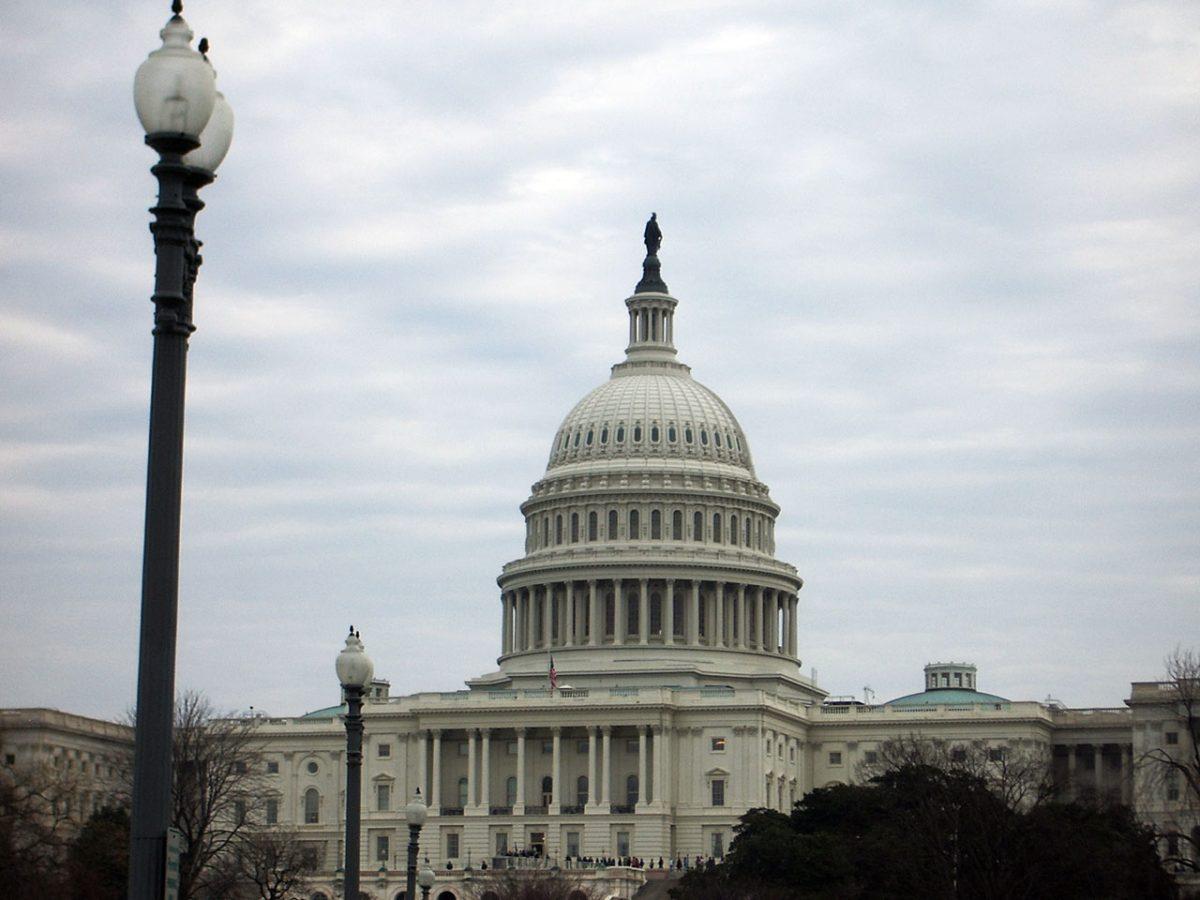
500 810
452 810
572 810
535 810
622 808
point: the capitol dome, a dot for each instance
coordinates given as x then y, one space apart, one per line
649 540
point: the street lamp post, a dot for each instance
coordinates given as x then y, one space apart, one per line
425 878
415 813
189 124
354 671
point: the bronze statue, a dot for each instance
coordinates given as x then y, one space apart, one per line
653 236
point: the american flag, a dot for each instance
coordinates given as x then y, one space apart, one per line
553 675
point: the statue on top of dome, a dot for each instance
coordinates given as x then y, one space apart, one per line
653 235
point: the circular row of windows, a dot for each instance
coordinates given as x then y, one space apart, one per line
587 437
756 532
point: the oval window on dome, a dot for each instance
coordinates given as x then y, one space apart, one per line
703 437
620 434
565 438
588 439
637 434
604 435
687 434
671 435
717 438
654 434
577 438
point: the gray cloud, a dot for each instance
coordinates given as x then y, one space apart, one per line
939 261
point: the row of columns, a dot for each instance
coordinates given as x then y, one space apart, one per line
1076 785
653 758
651 324
558 614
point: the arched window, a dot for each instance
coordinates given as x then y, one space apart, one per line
620 434
716 438
687 434
547 790
588 440
462 793
733 531
558 529
581 790
637 434
604 435
656 524
716 528
610 615
677 526
703 437
654 434
574 528
566 437
746 542
698 527
635 525
631 790
632 624
510 791
577 434
671 434
612 524
546 532
656 613
312 807
593 525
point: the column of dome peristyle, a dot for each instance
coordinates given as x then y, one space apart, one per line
189 124
650 483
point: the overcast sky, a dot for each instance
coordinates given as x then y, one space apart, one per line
940 260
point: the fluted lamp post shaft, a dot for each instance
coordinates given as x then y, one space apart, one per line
355 671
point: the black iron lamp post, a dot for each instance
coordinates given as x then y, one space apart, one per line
190 125
354 671
415 813
426 877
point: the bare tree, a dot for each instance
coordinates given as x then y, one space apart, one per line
530 884
1178 765
1021 776
40 814
267 863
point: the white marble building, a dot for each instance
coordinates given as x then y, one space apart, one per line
649 576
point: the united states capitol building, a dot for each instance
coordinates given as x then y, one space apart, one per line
649 582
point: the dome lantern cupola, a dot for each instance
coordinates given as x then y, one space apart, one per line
651 308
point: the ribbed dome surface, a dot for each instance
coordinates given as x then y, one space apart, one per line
660 413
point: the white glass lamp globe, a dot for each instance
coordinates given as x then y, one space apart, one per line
426 877
354 667
416 810
215 138
173 89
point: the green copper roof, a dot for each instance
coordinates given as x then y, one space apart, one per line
946 696
329 712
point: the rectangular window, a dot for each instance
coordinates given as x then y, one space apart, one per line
995 754
871 757
792 754
622 843
452 845
511 748
272 811
718 844
239 767
383 797
462 748
1172 737
382 850
384 750
501 843
581 746
272 767
835 757
631 746
718 792
548 747
239 810
573 843
958 755
718 745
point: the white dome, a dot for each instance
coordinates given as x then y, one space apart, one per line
660 413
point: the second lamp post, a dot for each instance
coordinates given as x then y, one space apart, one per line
354 672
